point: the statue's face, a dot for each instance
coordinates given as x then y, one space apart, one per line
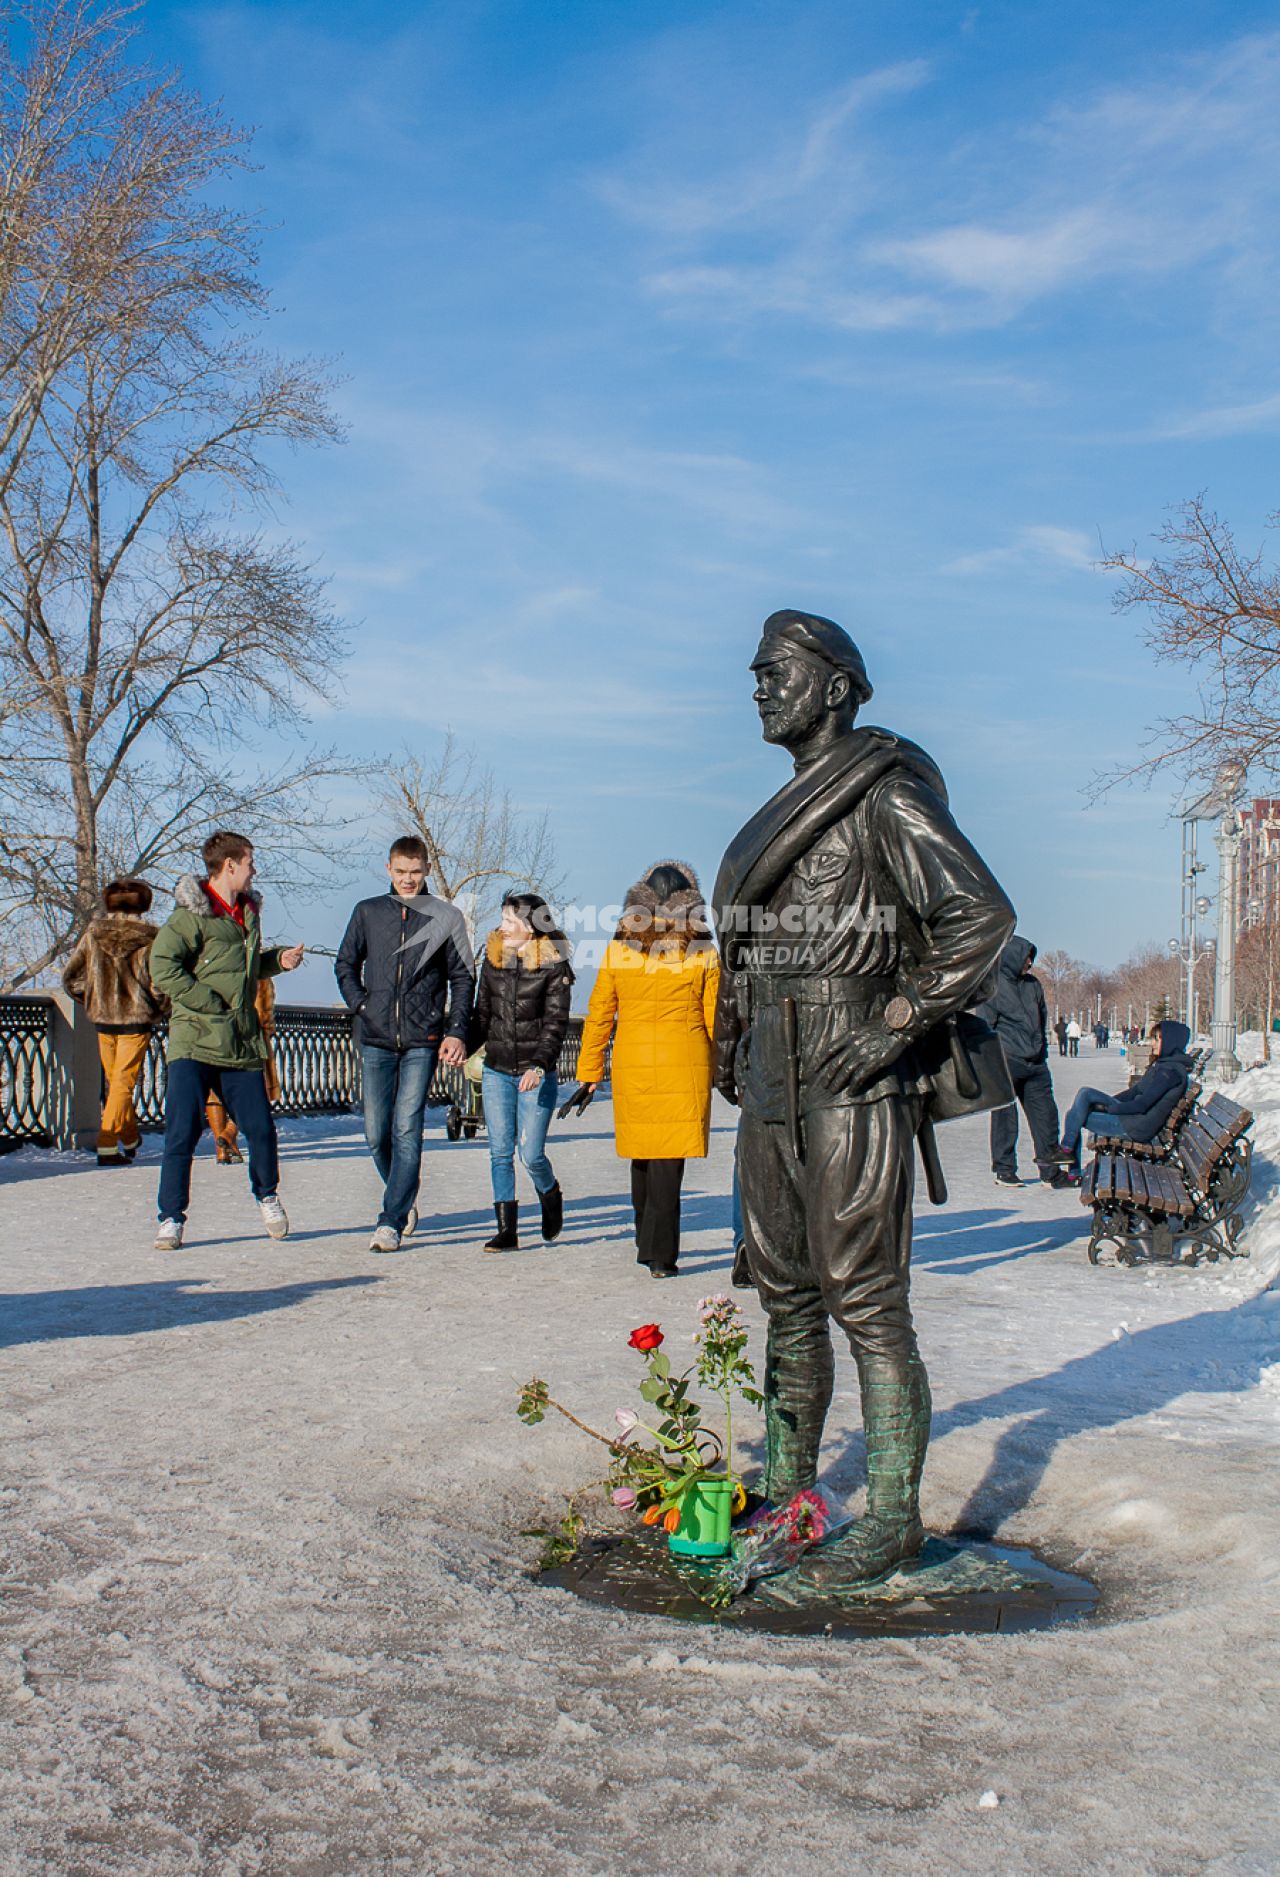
792 696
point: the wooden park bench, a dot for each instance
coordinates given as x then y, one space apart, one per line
1166 1140
1179 1207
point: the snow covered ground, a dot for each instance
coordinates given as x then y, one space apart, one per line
267 1610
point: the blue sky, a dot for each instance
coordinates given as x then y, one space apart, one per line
653 319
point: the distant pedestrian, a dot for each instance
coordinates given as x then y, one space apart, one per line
1018 1014
208 960
108 972
1060 1031
658 985
1101 1036
1074 1033
404 967
522 1017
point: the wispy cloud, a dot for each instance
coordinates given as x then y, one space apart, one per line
1037 546
1142 180
1229 420
1146 178
1009 266
473 694
797 164
471 464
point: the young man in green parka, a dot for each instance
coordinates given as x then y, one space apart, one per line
207 961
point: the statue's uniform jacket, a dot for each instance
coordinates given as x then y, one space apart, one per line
851 909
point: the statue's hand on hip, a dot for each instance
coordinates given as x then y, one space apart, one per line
857 1058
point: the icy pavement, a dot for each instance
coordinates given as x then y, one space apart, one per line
267 1610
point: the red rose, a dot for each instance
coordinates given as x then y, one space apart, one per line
646 1338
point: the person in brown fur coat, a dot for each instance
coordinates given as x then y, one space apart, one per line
108 973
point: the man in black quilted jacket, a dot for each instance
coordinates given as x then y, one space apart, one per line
1016 1012
405 969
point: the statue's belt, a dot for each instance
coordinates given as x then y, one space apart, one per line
851 993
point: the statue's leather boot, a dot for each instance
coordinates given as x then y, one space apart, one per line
896 1411
552 1202
798 1380
506 1238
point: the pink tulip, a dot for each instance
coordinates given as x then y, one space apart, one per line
624 1498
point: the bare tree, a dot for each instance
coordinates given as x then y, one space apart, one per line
143 638
481 843
1216 612
1149 980
1258 979
1062 977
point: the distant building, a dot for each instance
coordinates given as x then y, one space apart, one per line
1259 864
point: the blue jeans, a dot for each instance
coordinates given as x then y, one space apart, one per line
1086 1112
244 1094
510 1116
396 1082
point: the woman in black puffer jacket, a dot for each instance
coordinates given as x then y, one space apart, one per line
522 1014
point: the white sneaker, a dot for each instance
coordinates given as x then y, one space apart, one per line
386 1238
169 1236
411 1223
274 1216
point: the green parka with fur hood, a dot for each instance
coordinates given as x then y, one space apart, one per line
208 967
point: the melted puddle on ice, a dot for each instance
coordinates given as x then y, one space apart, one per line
953 1588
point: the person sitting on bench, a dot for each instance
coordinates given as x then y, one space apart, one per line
1142 1110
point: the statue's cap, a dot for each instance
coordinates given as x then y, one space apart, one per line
818 638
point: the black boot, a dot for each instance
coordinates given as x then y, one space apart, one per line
506 1237
552 1212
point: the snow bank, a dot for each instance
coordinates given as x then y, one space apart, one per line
1259 1090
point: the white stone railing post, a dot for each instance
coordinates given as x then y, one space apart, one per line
75 1075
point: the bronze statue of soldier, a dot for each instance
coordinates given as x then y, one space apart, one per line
855 921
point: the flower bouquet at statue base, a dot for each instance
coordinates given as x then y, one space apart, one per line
664 1463
771 1540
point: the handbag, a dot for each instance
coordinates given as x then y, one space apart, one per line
964 1061
962 1056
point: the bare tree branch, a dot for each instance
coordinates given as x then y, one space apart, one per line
142 641
480 843
1209 609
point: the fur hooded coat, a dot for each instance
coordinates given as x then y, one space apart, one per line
656 995
108 972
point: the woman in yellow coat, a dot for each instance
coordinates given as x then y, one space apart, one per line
658 982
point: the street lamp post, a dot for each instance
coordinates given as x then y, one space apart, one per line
1224 1065
1194 906
1220 805
1189 951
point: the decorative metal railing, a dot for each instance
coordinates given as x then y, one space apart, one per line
26 1031
316 1061
316 1054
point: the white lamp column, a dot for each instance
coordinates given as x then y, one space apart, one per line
1224 1064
